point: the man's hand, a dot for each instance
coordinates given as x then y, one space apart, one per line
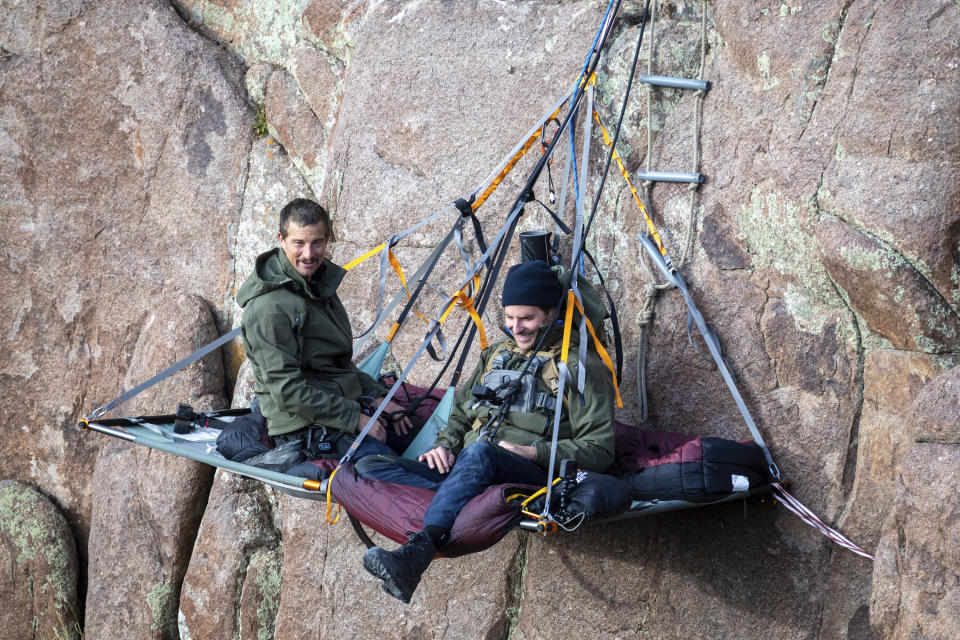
376 431
528 452
439 459
401 426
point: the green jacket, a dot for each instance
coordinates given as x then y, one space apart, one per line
297 336
586 428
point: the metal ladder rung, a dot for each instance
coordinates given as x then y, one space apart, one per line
669 176
676 83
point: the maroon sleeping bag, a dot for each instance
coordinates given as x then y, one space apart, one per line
396 511
657 465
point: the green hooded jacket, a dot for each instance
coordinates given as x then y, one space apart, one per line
298 338
586 428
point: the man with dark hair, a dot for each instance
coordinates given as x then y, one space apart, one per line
298 338
471 455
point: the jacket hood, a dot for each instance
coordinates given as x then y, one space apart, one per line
273 270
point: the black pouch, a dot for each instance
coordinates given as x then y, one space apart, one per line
321 442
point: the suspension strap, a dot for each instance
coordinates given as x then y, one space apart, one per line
694 316
399 271
502 238
163 375
574 301
529 142
626 176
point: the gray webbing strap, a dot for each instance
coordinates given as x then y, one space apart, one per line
561 203
578 241
382 312
434 328
166 373
676 279
564 373
401 295
385 311
584 338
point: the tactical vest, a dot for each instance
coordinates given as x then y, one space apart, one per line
529 400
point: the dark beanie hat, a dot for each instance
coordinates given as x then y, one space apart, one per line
532 283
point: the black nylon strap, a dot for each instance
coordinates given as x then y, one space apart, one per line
556 220
614 321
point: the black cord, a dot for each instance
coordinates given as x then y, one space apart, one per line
616 134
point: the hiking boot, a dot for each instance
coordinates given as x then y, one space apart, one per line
401 569
281 457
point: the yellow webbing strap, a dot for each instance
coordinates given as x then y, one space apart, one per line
567 325
572 301
626 176
512 163
465 301
399 271
602 352
393 331
461 299
368 254
330 498
403 280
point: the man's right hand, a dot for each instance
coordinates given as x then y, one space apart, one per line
439 458
376 431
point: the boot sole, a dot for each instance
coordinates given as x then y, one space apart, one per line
376 567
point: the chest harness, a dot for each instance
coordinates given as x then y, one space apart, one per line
503 390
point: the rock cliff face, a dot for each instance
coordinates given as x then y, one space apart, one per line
824 248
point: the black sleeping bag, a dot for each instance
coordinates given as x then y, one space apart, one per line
660 465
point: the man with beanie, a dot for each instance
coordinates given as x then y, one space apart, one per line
472 454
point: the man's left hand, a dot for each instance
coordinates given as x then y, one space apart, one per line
528 452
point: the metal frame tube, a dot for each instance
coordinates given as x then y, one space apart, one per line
675 83
669 176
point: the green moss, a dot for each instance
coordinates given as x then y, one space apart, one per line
763 66
771 227
776 232
831 31
258 31
160 602
268 581
29 521
874 259
260 128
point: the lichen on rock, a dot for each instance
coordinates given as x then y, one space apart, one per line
39 583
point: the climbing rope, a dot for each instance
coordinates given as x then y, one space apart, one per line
795 507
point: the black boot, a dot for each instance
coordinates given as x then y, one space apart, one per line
401 569
288 452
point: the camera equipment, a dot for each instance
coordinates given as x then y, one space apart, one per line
568 473
486 394
183 423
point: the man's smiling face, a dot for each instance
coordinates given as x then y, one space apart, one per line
305 247
522 322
